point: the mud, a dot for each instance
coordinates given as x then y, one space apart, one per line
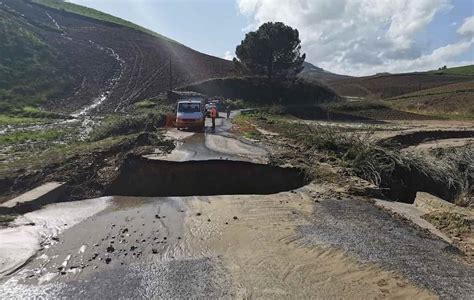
154 178
414 138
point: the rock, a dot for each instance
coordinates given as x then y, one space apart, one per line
110 249
209 220
154 251
157 216
133 248
108 260
198 214
125 230
235 218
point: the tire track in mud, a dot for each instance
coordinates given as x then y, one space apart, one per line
139 59
131 73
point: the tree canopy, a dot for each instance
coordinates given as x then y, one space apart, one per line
273 50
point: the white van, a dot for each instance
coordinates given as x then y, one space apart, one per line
190 114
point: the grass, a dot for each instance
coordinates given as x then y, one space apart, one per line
448 178
130 124
6 219
357 106
453 223
243 125
30 70
145 104
18 120
21 137
464 70
97 15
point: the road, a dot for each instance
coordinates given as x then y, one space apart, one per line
312 242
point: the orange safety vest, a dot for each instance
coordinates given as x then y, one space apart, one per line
213 112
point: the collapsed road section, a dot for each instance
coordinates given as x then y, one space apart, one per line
156 178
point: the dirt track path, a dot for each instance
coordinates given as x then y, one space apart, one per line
306 243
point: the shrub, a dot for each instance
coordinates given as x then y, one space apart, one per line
124 125
263 91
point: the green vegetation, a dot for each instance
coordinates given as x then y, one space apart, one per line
145 104
30 70
273 50
259 91
6 219
357 106
125 125
453 101
95 14
20 137
464 70
402 174
29 115
16 120
453 223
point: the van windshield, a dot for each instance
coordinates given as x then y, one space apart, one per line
189 107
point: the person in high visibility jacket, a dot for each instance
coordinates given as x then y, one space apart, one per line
213 114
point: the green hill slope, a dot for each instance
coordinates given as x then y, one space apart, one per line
464 70
95 14
31 71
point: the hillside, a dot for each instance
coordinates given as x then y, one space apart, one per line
64 57
392 85
312 72
262 91
455 98
464 70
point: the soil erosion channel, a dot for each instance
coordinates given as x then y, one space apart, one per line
280 237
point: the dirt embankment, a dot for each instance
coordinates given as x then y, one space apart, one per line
86 175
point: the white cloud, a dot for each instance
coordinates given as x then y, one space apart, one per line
467 27
228 55
359 37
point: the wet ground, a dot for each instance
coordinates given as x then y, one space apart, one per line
312 242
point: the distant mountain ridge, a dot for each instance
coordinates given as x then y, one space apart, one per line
313 72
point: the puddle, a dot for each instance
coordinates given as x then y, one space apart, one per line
158 178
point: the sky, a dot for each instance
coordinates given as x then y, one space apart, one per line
354 37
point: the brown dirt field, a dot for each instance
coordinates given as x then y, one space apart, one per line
105 55
454 98
388 86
